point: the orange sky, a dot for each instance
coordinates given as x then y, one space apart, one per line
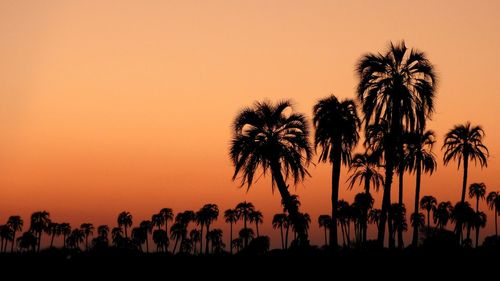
126 105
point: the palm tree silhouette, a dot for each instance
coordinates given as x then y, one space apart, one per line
477 190
16 224
397 88
257 218
274 138
125 220
138 235
160 238
195 236
417 220
462 214
117 236
280 220
65 230
420 158
398 219
168 215
231 217
323 221
28 241
493 200
215 237
374 216
204 217
363 202
336 123
157 220
103 231
464 143
53 230
246 234
364 169
6 234
244 209
147 228
88 229
76 237
39 223
237 243
442 214
479 222
344 216
428 203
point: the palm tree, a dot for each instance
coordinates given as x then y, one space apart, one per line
464 143
39 223
397 88
257 218
157 220
195 236
442 214
160 238
246 234
88 229
420 158
280 220
231 217
65 230
138 236
477 190
16 224
147 227
117 236
237 243
417 220
364 169
27 241
274 138
479 222
462 214
125 220
75 238
204 217
364 203
177 232
398 219
103 231
168 215
336 123
53 230
244 209
323 221
215 236
493 200
429 204
374 216
5 236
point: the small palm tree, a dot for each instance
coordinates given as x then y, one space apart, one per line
464 143
205 216
53 230
281 221
325 221
6 234
363 203
244 209
237 243
257 218
246 234
160 238
477 190
493 200
195 236
138 236
88 229
65 230
336 123
39 223
147 228
275 138
157 220
231 217
461 216
428 203
374 216
103 231
364 168
16 224
479 222
125 220
28 241
168 215
117 236
442 214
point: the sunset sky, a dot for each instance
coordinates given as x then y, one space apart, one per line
108 106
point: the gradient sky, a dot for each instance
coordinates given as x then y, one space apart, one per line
126 105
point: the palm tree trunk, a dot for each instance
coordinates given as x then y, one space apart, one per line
477 235
201 238
293 210
52 240
257 228
335 191
477 204
147 243
14 240
400 201
326 241
39 241
86 242
245 227
175 245
286 236
208 231
417 200
282 240
466 168
496 224
126 236
231 237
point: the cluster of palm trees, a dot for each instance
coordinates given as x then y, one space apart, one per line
396 93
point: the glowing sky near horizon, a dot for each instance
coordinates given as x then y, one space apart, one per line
126 105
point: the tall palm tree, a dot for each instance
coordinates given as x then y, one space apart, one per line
157 220
257 218
195 236
147 228
479 222
336 123
39 223
6 234
274 138
231 217
244 209
324 221
364 169
160 238
280 220
125 220
397 88
493 200
88 229
65 230
420 158
428 203
442 214
463 143
168 215
477 190
53 230
205 216
16 224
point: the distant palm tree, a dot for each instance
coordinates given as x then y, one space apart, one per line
177 232
157 220
237 243
125 220
53 230
117 236
420 158
461 216
374 216
246 234
204 217
215 237
364 169
6 234
398 219
274 138
28 241
344 217
442 214
39 223
65 230
417 220
428 203
88 229
479 222
280 220
363 202
323 221
336 123
168 215
244 209
103 231
138 236
16 224
231 217
257 218
160 238
464 143
75 238
147 228
493 200
195 236
397 88
477 190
